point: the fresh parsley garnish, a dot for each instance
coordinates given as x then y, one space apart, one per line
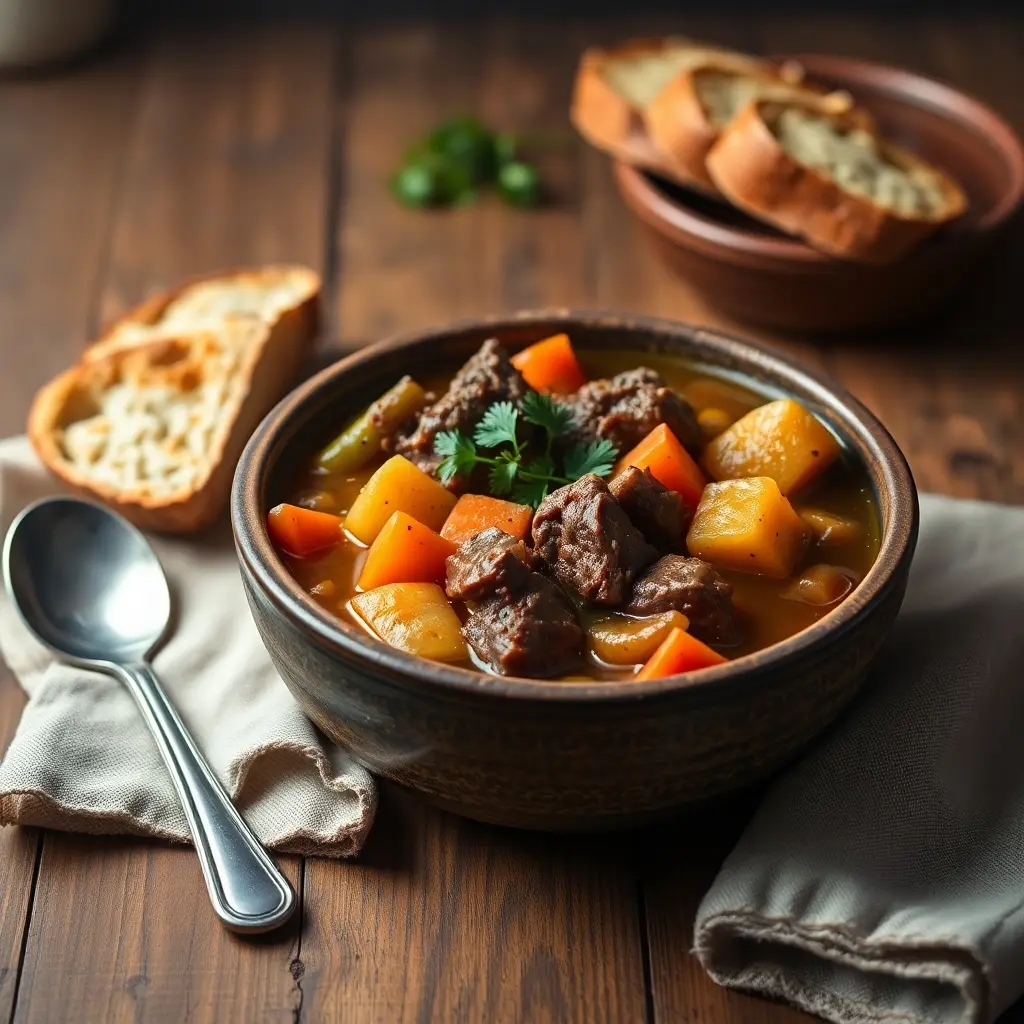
598 457
460 157
542 410
459 455
502 477
528 480
497 426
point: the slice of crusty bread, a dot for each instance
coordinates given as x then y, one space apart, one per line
687 116
831 180
273 293
153 418
615 87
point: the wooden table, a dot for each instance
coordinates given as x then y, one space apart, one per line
183 152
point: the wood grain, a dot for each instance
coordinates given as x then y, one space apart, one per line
226 164
443 919
127 928
60 154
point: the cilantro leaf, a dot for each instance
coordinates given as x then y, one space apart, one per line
597 457
530 492
502 476
459 455
535 480
497 426
543 411
540 465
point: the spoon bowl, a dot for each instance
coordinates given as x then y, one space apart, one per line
115 605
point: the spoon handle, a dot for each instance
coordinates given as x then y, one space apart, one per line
248 892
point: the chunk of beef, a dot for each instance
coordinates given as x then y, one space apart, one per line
531 631
490 560
690 586
588 541
523 624
487 377
658 513
628 407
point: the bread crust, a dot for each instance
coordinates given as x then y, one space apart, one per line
753 171
678 122
608 120
268 365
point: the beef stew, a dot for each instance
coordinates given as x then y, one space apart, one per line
653 519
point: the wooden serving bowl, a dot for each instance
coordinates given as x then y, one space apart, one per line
563 755
763 276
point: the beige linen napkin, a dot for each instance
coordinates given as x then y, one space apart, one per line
82 760
882 878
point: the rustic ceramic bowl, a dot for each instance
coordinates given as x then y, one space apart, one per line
760 275
563 755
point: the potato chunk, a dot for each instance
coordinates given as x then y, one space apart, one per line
415 618
830 528
781 440
620 641
821 585
748 525
398 486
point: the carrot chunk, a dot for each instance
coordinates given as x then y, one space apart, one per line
474 513
551 366
405 551
669 462
302 531
679 652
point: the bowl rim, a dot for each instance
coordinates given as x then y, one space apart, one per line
689 226
890 475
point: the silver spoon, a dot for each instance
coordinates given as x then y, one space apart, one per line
91 589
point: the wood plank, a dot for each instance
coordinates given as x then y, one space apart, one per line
227 164
127 928
406 268
60 152
444 919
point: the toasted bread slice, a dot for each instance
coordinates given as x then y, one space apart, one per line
831 180
154 417
284 295
687 116
615 87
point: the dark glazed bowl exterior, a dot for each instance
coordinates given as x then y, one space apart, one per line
563 755
762 276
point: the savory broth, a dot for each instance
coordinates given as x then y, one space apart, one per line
766 615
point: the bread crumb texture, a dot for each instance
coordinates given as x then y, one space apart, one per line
639 72
207 304
856 162
146 420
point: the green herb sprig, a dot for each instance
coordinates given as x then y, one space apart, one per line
449 166
510 472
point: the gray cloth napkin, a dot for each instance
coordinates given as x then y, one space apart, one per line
882 878
82 760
